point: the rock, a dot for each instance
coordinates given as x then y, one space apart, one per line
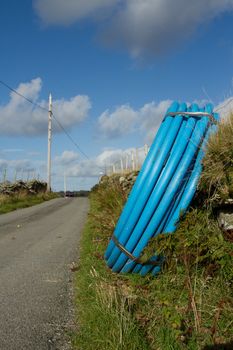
225 220
126 181
122 179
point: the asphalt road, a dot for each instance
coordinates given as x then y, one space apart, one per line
37 246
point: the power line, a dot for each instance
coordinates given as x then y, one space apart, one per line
70 137
24 97
45 109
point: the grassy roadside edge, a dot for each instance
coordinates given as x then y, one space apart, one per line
8 204
188 306
104 314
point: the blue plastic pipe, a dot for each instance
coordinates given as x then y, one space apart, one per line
166 200
151 179
164 188
140 182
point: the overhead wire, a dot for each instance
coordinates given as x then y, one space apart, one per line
24 97
70 137
45 109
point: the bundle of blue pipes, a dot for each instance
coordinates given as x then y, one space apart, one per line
164 187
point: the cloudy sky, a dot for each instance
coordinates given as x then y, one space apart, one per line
113 67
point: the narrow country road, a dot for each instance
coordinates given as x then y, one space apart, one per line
37 246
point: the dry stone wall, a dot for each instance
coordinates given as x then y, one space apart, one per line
126 181
30 187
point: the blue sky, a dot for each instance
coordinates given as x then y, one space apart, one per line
112 67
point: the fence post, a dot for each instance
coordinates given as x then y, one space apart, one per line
126 162
4 174
133 160
137 159
122 166
146 149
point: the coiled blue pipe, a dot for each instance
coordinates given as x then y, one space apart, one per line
164 187
139 184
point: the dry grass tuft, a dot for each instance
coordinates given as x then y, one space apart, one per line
217 176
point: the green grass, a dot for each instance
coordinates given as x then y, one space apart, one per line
188 306
105 314
11 203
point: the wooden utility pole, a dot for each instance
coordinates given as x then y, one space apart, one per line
65 187
49 144
137 159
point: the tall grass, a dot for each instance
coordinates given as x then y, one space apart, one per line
22 200
217 176
105 305
108 200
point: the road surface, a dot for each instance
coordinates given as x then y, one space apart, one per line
37 246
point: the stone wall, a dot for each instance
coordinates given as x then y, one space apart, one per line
30 187
126 181
223 211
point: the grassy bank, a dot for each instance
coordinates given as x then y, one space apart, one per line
187 306
105 314
22 200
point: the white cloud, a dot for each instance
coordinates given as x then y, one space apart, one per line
73 166
66 12
102 163
33 153
19 117
66 158
119 122
125 120
86 168
21 164
151 116
143 27
152 27
16 164
11 150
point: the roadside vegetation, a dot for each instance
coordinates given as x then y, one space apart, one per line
189 305
22 195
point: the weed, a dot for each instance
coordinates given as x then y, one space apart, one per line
105 305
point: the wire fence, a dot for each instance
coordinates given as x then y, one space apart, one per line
128 161
7 175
